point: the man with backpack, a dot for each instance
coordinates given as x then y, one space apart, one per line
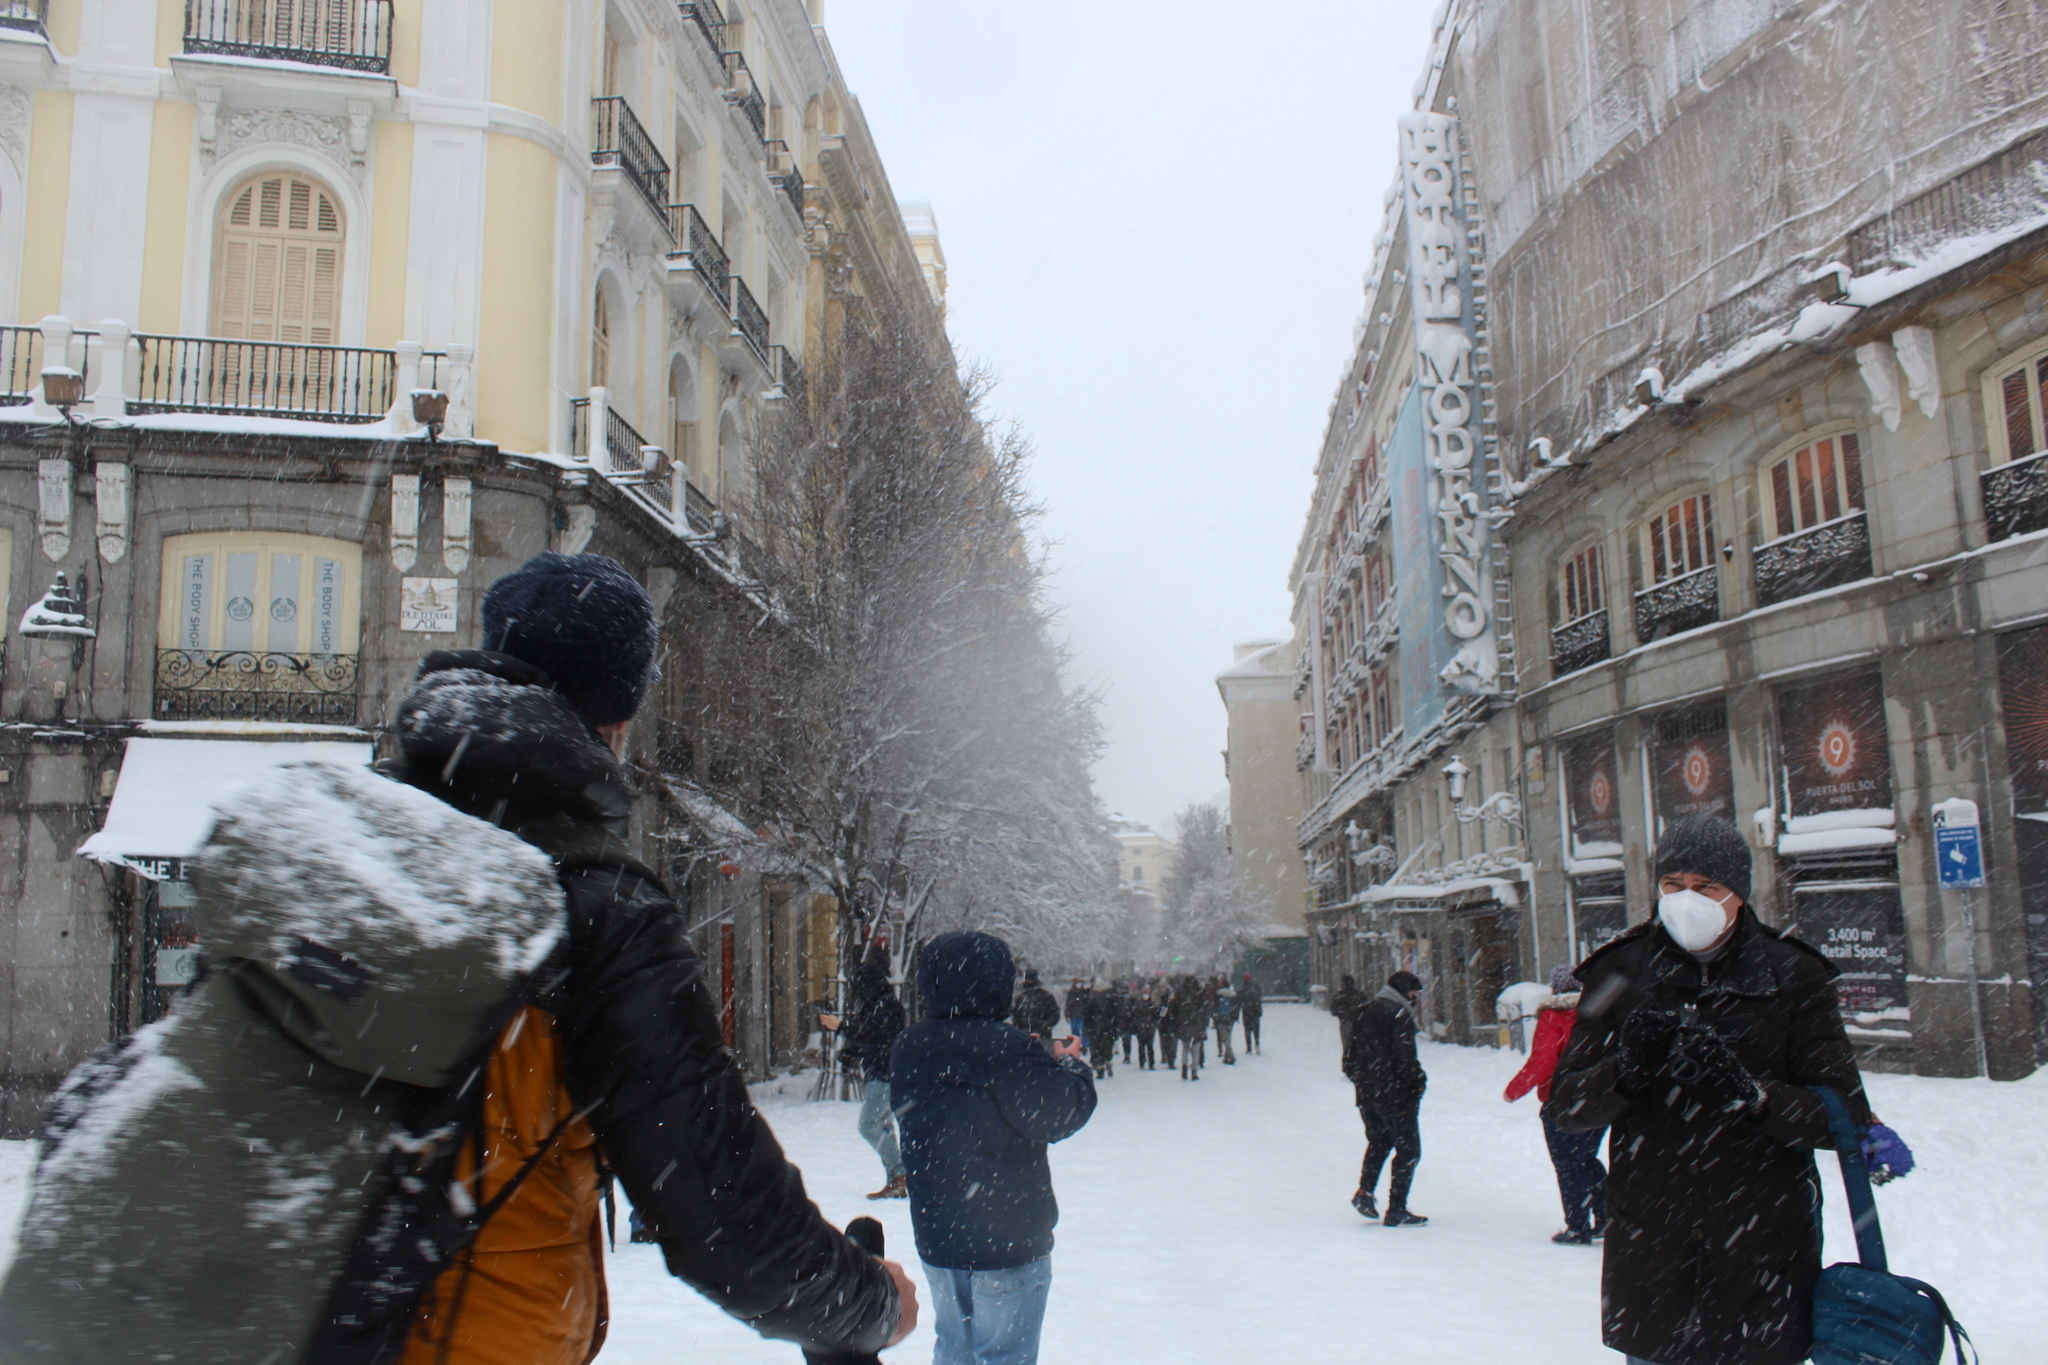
979 1102
867 1040
393 1102
1700 1032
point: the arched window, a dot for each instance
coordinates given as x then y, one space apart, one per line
682 419
277 265
1820 481
1679 540
2015 405
601 342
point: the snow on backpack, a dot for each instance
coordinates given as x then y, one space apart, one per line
1862 1313
231 1182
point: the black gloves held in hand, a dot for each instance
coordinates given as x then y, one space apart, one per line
1711 1074
1646 1038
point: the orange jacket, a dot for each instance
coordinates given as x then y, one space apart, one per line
530 1289
1553 1031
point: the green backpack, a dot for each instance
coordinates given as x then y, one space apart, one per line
266 1175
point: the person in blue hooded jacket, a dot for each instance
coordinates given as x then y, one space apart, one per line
977 1103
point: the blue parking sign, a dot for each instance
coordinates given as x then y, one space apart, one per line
1959 851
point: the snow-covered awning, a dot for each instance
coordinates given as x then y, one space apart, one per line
1443 894
1839 830
165 798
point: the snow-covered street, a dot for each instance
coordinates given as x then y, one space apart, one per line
1208 1222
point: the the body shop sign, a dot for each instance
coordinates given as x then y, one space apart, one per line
1836 751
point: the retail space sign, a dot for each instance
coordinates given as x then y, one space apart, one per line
1862 930
1837 752
427 605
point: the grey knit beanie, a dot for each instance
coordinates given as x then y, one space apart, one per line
1708 846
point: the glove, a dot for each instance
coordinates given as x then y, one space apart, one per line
1710 1073
1885 1154
1646 1038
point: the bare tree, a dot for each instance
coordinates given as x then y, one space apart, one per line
939 772
1209 915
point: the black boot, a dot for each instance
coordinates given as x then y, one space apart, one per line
1367 1206
1401 1218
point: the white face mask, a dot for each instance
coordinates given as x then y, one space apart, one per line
1694 921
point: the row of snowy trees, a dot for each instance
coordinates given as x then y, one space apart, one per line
936 773
1207 914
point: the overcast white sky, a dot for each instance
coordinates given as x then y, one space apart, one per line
1156 219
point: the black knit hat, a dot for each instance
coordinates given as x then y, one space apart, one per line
1407 983
1708 846
583 620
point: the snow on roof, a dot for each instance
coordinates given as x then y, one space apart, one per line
1834 840
164 801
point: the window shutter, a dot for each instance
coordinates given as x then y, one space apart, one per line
278 263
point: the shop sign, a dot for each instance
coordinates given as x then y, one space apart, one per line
1689 765
1593 793
427 605
2023 701
1837 753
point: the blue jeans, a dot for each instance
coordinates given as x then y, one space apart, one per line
878 1126
1581 1179
989 1317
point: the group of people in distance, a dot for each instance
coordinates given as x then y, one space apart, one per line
1160 1019
1692 1043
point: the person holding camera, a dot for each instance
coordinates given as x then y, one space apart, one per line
1698 1035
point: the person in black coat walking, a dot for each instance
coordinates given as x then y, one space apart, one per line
1388 1082
1699 1034
867 1040
1036 1012
978 1102
1251 1005
1190 1025
1163 1017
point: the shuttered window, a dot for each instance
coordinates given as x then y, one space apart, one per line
2016 402
1815 483
1679 540
277 271
600 343
1585 590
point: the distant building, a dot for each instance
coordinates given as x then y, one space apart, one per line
1265 790
1142 859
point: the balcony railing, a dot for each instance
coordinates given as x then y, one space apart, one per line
264 379
1824 556
709 19
194 684
790 376
1579 644
748 318
617 139
28 14
2016 497
1680 604
742 92
621 443
21 363
354 34
694 238
784 175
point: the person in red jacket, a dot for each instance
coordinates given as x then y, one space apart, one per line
1581 1179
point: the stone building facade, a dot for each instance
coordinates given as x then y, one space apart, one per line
1756 385
366 303
1265 794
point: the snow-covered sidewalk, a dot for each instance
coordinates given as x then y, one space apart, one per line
1209 1222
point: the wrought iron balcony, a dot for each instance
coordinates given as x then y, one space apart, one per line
21 363
744 93
353 34
27 14
1579 644
709 19
264 379
1824 556
194 684
617 139
622 444
1680 604
784 175
694 239
789 376
2016 497
748 319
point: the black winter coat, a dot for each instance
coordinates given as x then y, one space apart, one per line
1380 1055
878 1018
1712 1249
1036 1011
643 1052
976 1103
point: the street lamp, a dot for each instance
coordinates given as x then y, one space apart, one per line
1501 806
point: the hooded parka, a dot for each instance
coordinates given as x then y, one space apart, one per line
1712 1248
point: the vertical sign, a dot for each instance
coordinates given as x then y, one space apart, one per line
1689 768
1594 796
2023 702
284 604
195 602
1445 321
327 600
1417 572
1837 751
240 631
